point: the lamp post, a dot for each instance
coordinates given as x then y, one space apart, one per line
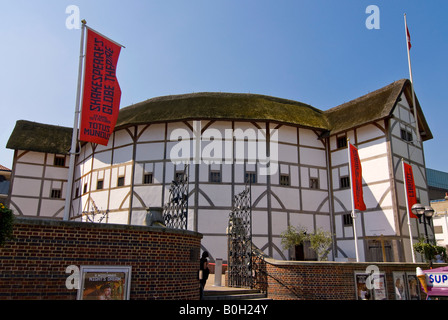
423 211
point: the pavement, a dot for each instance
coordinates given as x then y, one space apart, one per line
211 286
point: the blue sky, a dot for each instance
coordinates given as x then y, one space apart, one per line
318 52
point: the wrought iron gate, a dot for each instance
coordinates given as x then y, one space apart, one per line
240 240
175 211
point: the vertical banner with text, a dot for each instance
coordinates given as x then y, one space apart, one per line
356 177
102 93
410 188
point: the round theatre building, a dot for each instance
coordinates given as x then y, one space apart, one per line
294 156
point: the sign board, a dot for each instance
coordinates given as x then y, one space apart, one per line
104 283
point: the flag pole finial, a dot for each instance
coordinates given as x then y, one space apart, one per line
83 21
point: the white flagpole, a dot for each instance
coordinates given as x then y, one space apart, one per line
407 211
71 169
352 200
417 133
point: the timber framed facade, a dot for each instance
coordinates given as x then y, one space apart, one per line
308 188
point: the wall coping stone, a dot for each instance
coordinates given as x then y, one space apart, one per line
348 263
93 225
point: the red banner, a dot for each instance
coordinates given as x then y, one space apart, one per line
410 188
356 179
102 93
408 38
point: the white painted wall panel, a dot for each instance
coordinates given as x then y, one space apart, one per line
26 187
369 132
29 170
314 157
155 132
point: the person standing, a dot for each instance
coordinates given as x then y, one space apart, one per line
203 272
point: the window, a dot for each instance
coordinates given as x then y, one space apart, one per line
347 219
314 183
120 182
179 176
250 177
59 161
99 185
147 178
77 192
341 142
215 176
84 190
55 193
284 179
344 183
406 135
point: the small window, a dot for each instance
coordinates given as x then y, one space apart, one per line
342 142
77 192
345 182
120 182
179 176
55 193
59 161
438 229
347 219
99 184
406 135
284 179
84 190
215 176
314 183
250 177
147 178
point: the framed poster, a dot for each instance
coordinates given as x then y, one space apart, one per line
400 286
413 286
104 283
370 286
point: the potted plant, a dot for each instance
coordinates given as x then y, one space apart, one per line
321 243
430 251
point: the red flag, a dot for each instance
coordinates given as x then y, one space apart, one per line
356 179
102 93
408 38
410 188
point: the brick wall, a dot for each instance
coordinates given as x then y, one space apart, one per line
303 280
164 262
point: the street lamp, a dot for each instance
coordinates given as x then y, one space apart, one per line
420 210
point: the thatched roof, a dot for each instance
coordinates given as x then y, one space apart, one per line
230 106
222 106
372 107
40 137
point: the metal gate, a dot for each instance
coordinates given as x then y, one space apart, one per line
240 241
175 211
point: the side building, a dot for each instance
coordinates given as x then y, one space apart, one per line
228 138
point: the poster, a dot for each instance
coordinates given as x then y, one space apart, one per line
413 286
104 283
400 286
370 286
